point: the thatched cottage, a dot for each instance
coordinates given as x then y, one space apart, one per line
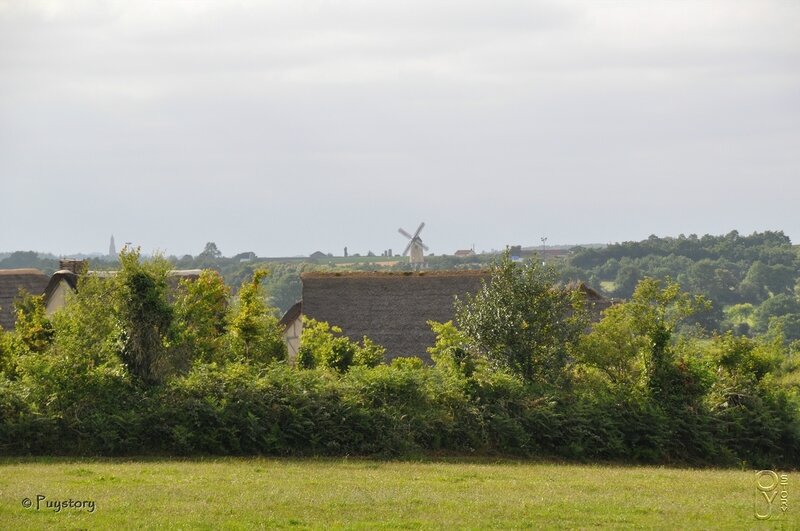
11 282
392 309
55 294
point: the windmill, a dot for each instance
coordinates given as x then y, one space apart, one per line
416 258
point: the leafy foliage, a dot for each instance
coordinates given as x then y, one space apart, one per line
730 270
145 315
133 366
522 321
451 349
633 346
201 308
323 345
88 329
33 331
5 353
254 333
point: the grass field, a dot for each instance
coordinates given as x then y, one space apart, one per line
364 494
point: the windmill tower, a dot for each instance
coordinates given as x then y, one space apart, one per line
415 247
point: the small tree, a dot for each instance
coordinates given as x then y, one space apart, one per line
632 344
368 353
87 329
33 331
522 321
5 353
254 331
323 345
655 313
145 315
451 348
200 312
615 349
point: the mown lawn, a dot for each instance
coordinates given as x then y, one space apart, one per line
257 493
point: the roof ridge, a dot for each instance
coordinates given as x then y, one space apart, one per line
22 271
396 274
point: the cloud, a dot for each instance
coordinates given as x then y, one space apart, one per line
514 112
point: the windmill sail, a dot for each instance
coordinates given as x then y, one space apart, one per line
415 246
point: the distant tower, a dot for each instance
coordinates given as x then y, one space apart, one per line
112 249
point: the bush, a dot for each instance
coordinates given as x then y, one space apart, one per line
323 345
522 321
254 333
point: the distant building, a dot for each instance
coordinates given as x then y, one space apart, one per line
12 281
595 303
555 252
463 253
247 256
112 248
318 255
519 253
175 276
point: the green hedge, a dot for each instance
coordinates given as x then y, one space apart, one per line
400 409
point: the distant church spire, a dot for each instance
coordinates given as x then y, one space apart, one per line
112 249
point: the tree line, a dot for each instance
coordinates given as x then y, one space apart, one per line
753 281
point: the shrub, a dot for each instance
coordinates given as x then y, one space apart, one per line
145 316
522 321
254 332
323 345
200 313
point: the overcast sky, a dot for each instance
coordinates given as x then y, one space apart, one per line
292 126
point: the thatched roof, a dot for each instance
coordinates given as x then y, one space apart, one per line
392 309
65 275
595 303
291 315
11 281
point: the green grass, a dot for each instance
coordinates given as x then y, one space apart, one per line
608 286
363 494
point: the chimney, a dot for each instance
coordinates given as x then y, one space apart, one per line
70 264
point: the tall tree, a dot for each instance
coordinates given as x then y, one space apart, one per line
522 321
210 251
254 331
200 312
145 315
33 331
632 344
